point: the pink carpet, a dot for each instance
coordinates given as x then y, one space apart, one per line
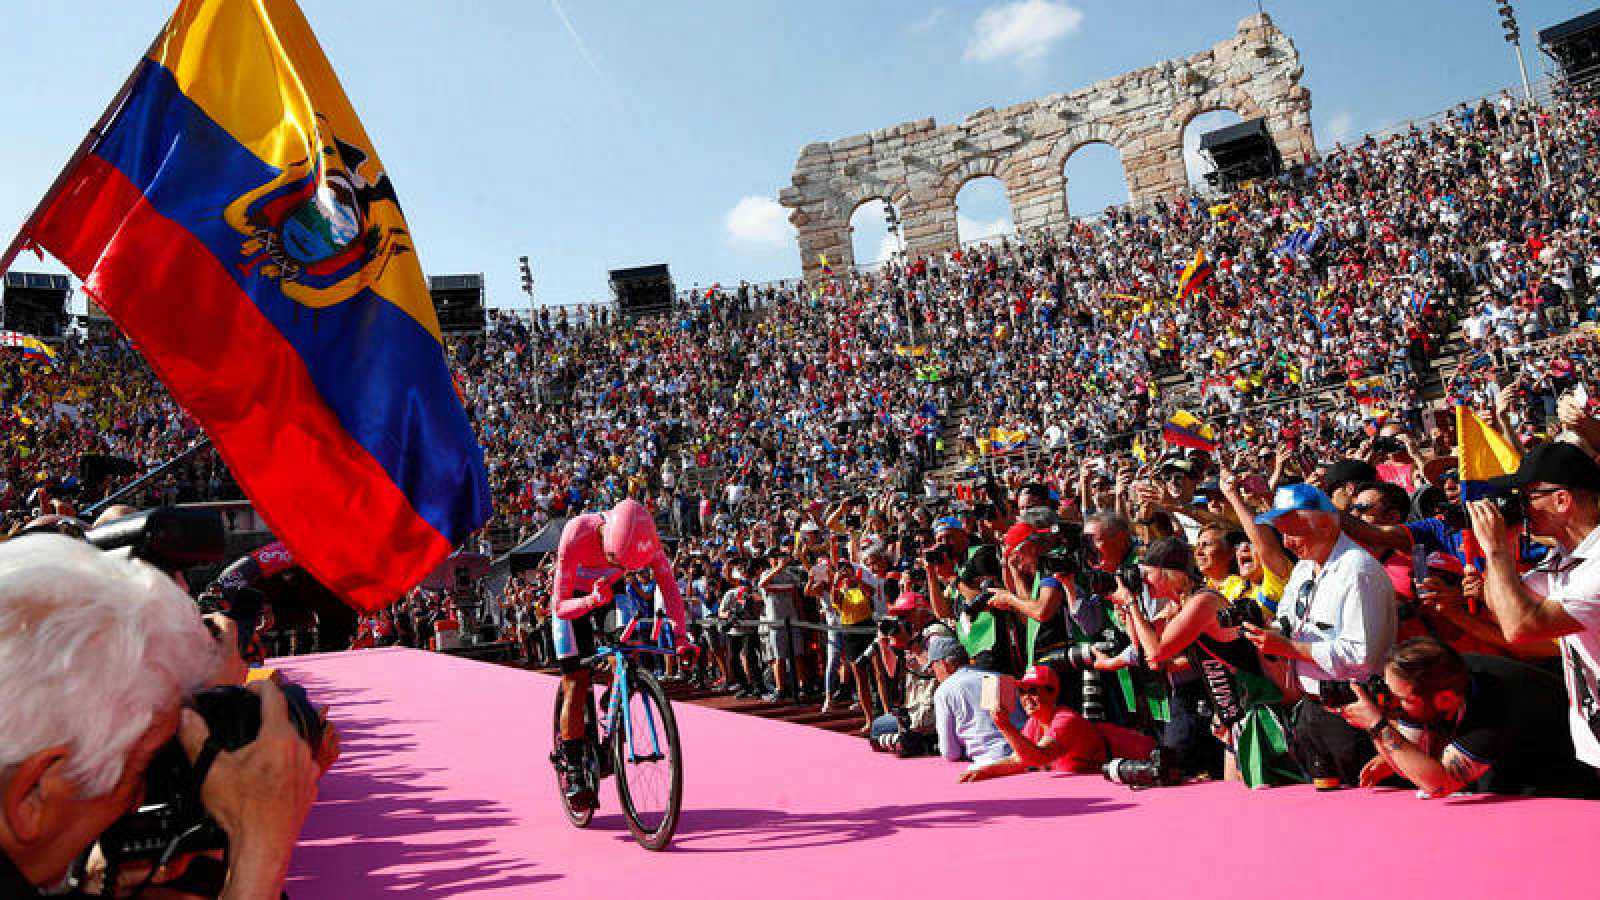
444 791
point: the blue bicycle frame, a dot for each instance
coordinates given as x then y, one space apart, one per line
622 693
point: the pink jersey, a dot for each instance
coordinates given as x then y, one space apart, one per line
583 573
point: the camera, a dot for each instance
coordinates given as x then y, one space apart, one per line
172 813
1511 507
168 538
1339 694
1387 445
1160 770
1243 611
1081 656
937 555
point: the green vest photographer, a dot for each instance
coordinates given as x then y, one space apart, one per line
101 655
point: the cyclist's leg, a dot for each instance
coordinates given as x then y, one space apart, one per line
574 640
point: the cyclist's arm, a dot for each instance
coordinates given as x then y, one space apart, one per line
670 596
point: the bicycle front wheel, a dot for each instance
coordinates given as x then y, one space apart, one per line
649 763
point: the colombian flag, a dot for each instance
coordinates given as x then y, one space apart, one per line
1184 430
1482 453
30 346
1195 276
235 221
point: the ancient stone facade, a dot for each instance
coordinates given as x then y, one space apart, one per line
919 166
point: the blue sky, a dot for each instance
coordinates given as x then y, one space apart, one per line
594 134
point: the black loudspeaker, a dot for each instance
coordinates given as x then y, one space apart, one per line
1575 46
458 302
1240 152
35 303
642 291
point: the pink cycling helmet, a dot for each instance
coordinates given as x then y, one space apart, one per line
629 537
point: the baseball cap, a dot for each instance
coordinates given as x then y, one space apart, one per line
1348 471
1446 562
947 523
1017 534
1296 498
907 603
941 647
1040 676
1559 463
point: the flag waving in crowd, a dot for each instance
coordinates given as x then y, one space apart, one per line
30 346
1182 429
235 221
1195 276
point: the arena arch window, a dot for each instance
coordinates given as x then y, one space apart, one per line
1095 179
1196 166
870 240
983 211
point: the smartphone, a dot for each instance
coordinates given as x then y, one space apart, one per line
999 692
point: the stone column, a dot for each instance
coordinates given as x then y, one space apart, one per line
828 237
930 225
1157 170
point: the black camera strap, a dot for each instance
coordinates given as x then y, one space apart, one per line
203 762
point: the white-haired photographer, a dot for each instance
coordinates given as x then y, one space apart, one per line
98 656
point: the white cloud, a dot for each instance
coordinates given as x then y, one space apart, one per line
887 248
758 221
1021 32
1341 126
928 22
975 230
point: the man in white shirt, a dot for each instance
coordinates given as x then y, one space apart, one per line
1560 488
1336 622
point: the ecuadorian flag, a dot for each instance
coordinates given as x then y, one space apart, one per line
1184 430
236 222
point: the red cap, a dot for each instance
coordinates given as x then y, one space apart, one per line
1040 676
908 602
1017 534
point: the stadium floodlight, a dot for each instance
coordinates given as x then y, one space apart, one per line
1508 21
527 277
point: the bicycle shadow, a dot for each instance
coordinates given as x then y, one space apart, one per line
743 830
382 827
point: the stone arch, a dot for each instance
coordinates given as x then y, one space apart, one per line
1237 101
955 177
1066 182
866 198
1082 136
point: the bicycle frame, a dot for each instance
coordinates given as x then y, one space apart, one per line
621 659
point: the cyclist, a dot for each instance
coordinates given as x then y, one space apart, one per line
597 550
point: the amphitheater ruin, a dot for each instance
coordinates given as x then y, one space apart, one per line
919 167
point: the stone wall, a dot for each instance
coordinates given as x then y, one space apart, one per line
919 166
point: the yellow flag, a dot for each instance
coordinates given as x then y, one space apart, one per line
1482 452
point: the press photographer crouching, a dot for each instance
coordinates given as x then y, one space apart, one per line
1446 723
102 658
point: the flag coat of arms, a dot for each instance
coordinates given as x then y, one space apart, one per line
235 221
29 346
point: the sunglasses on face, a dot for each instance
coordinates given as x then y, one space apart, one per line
1034 691
1359 508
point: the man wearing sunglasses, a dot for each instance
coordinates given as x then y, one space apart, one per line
1560 599
1054 737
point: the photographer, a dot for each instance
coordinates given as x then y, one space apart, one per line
1053 737
99 655
1448 723
1205 629
1560 490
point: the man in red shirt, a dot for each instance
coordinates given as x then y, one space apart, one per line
1054 737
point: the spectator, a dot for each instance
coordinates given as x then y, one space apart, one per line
1560 488
1336 622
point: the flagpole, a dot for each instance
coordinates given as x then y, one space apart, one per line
86 147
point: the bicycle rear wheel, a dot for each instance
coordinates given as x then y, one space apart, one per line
578 817
650 765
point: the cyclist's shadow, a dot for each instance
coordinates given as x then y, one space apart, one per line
742 830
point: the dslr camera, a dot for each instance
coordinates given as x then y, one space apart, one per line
1160 770
1339 694
172 817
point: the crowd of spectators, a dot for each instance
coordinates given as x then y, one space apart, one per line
936 496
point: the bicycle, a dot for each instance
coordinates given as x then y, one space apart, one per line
641 734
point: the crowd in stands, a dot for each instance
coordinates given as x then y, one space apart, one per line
882 487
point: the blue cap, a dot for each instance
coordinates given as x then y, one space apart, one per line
1296 498
946 523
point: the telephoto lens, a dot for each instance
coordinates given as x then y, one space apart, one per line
1157 771
1094 696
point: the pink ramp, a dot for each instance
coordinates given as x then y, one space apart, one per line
444 791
